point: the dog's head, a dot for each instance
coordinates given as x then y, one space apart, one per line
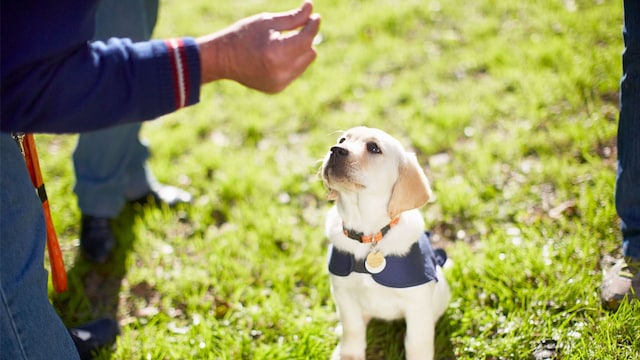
370 161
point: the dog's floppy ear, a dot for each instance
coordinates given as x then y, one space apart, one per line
411 190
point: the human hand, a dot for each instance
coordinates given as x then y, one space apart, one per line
265 52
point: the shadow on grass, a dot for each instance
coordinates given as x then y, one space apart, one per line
385 340
94 289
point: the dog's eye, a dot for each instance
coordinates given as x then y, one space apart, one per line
373 148
341 140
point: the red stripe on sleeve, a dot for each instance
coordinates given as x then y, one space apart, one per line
180 70
174 71
186 81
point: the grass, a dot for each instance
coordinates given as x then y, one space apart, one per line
512 108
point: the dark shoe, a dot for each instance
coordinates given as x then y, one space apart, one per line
165 194
96 238
620 282
93 336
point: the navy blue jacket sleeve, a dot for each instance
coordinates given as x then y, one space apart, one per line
102 84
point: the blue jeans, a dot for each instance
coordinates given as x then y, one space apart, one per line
29 326
111 168
111 164
627 193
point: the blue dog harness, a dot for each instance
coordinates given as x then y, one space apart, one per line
417 267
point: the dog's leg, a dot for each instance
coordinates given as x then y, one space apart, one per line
419 339
354 337
421 320
353 341
442 294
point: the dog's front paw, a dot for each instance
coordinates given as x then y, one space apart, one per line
339 354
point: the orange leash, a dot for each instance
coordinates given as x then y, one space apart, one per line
58 273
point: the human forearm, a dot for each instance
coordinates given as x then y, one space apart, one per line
101 85
79 86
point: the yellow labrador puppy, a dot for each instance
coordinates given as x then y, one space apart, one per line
381 262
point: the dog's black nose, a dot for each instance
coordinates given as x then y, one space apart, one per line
337 150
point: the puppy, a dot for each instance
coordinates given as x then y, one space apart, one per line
381 262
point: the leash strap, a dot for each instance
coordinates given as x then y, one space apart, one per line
58 273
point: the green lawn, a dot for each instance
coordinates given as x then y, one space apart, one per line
511 106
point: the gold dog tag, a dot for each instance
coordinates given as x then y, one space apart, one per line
375 262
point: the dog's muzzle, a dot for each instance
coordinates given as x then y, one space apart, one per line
335 166
337 151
